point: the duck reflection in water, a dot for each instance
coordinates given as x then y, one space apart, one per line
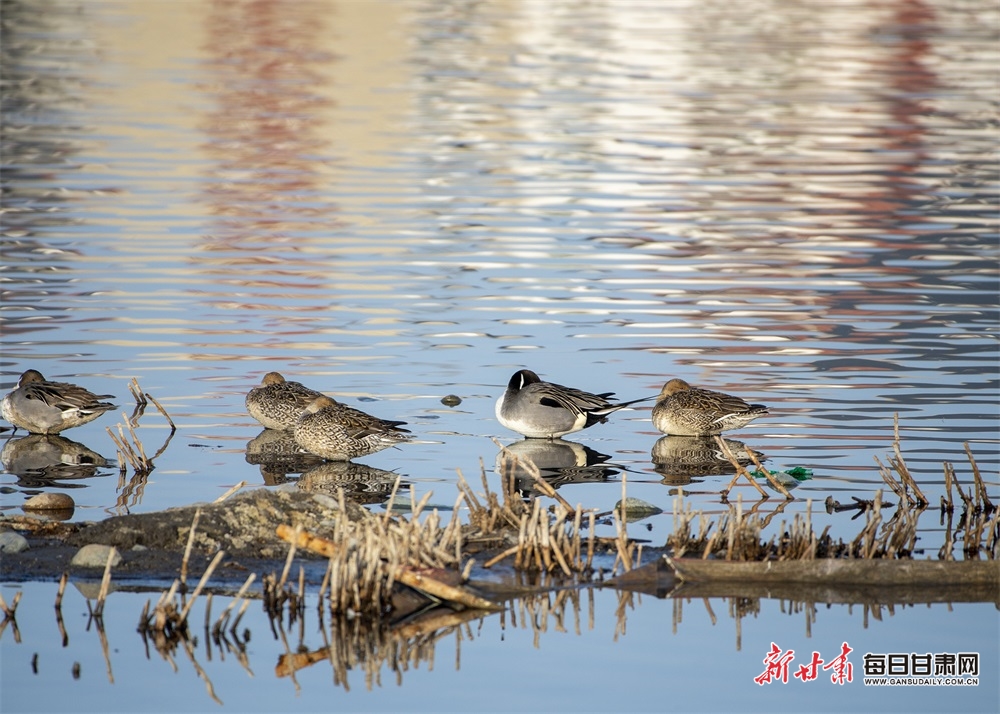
558 461
279 455
678 459
39 459
361 483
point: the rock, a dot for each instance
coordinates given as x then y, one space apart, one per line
242 525
326 501
11 542
635 509
451 400
95 555
49 502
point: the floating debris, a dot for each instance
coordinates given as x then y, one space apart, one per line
797 473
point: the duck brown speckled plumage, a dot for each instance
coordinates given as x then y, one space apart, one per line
278 403
338 432
683 410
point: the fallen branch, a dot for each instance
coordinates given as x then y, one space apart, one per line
416 578
842 571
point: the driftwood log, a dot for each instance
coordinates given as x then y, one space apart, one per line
889 573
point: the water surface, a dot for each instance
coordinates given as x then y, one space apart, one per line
394 202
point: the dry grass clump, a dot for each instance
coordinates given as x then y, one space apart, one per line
540 539
737 535
368 558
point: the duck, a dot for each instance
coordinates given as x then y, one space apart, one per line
337 432
43 407
546 410
278 403
683 410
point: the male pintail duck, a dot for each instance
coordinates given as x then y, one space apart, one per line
277 403
683 410
44 407
338 432
544 410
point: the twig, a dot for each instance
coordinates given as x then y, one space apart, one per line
230 492
162 411
190 543
980 486
740 471
147 464
10 610
896 487
954 478
767 473
224 617
417 578
208 611
201 584
296 536
239 614
900 465
392 499
536 475
947 505
497 558
136 391
124 449
105 583
189 650
62 589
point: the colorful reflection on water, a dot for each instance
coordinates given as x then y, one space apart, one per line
395 202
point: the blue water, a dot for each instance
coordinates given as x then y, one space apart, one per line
547 655
394 202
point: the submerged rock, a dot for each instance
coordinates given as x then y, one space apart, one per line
635 509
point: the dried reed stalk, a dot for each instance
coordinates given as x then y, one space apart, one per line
159 408
105 583
208 611
544 486
767 474
413 576
201 584
948 505
229 492
953 478
220 624
62 589
9 611
740 471
981 495
190 544
142 452
133 451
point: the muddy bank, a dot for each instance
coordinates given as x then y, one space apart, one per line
152 544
